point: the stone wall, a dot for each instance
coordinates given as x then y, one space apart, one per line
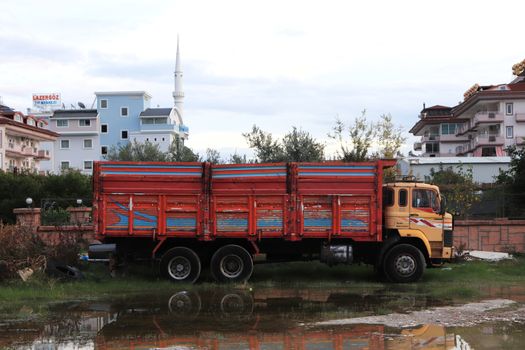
499 235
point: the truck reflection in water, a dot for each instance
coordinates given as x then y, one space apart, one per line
238 319
265 319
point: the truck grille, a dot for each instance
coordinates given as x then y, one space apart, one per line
448 239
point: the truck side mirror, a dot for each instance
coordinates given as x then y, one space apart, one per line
443 204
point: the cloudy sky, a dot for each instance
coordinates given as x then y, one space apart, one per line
276 64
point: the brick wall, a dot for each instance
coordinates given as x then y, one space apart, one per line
499 235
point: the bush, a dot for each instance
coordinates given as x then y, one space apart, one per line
14 189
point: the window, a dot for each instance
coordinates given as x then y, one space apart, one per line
509 108
103 104
64 144
388 194
488 152
84 122
104 128
148 121
449 129
62 123
18 118
425 199
88 165
403 195
124 134
123 111
510 132
30 122
88 143
64 165
104 150
432 148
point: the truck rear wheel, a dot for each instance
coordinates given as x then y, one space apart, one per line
404 263
231 263
180 264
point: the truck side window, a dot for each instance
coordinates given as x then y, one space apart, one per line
388 197
403 198
425 199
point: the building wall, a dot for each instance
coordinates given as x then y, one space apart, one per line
164 140
481 172
500 235
76 154
112 117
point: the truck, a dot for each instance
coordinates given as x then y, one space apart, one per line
191 216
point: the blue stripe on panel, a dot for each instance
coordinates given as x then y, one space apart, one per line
151 166
181 222
353 222
269 223
251 168
318 222
149 173
336 174
248 175
344 167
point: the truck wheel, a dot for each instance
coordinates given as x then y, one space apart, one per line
231 263
180 264
404 263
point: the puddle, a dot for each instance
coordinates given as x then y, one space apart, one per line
262 319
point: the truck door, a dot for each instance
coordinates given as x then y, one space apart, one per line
425 217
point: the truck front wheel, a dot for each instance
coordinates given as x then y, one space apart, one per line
404 263
231 263
180 264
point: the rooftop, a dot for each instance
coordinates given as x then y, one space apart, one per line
75 113
456 160
154 112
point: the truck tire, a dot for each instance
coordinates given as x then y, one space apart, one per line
231 263
404 263
180 264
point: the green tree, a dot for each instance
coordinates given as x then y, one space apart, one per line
296 146
361 135
136 152
178 152
458 187
267 149
513 182
213 156
389 137
237 159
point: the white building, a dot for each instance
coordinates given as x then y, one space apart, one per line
78 144
484 169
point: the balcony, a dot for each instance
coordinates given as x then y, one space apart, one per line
158 127
520 117
417 146
520 140
43 154
430 137
488 117
488 140
29 151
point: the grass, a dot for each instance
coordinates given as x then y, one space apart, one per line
460 280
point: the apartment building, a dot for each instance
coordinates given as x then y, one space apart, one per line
78 143
20 138
490 118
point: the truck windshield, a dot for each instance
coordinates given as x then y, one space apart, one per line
425 199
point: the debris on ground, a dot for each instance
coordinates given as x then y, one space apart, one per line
25 274
449 316
486 256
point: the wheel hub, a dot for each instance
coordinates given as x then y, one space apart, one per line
231 266
179 268
405 265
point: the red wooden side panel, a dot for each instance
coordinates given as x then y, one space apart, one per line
182 215
148 199
355 215
249 200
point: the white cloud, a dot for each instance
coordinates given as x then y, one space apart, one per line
276 64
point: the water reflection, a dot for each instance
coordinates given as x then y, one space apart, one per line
268 319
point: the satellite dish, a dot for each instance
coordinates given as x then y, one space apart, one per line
81 105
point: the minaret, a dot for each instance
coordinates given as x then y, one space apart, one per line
178 94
